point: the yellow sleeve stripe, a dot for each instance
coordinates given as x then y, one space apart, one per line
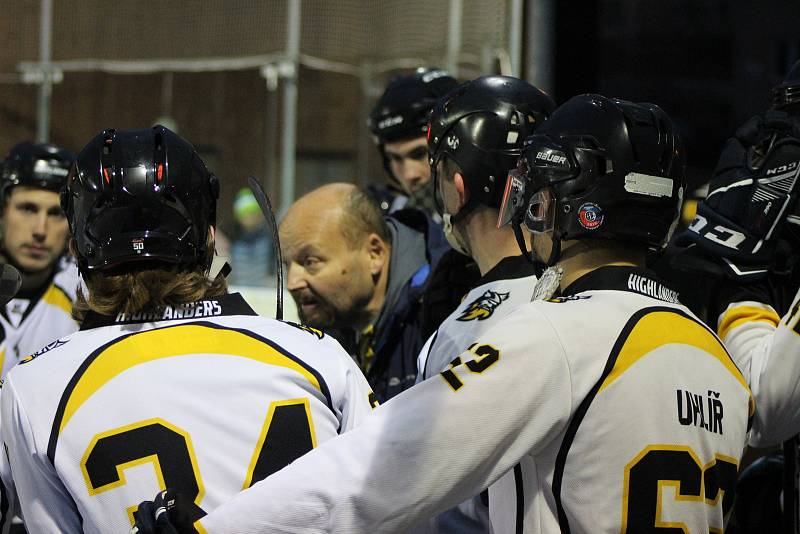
739 315
662 328
182 340
56 297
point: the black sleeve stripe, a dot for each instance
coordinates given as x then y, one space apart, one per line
428 356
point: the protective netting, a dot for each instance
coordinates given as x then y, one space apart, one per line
148 35
19 33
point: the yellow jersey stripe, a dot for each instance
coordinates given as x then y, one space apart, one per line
739 315
662 328
182 340
55 296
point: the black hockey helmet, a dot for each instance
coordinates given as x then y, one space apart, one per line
140 195
786 95
481 126
599 167
42 165
402 111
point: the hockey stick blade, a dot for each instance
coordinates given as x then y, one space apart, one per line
269 215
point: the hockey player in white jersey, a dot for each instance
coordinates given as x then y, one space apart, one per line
170 381
746 238
476 137
33 238
747 229
628 407
761 268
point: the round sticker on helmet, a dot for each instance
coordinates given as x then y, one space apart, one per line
590 216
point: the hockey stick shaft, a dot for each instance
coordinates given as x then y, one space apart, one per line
266 209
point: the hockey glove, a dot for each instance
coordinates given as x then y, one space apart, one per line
169 513
753 192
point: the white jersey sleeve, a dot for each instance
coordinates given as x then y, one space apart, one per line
9 504
767 350
355 399
398 467
48 508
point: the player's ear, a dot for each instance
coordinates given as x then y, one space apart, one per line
378 252
461 189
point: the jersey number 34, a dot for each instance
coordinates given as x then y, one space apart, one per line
286 435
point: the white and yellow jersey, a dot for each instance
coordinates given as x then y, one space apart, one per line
766 348
207 399
506 286
32 320
628 408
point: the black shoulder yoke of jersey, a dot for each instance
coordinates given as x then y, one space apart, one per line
623 278
509 268
224 305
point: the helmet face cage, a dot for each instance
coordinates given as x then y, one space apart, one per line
140 195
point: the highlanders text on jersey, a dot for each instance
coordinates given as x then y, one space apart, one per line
208 401
506 286
31 321
767 350
631 411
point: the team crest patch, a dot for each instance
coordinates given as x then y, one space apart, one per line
590 216
483 307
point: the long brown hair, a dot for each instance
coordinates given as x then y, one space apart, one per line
148 287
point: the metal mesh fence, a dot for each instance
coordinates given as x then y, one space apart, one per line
211 35
151 29
116 57
19 34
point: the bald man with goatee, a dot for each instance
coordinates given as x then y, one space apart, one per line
362 276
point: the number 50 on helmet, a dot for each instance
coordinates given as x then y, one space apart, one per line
601 168
138 195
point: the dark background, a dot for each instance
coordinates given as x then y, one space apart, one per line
709 63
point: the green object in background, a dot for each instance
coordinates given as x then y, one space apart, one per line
245 204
